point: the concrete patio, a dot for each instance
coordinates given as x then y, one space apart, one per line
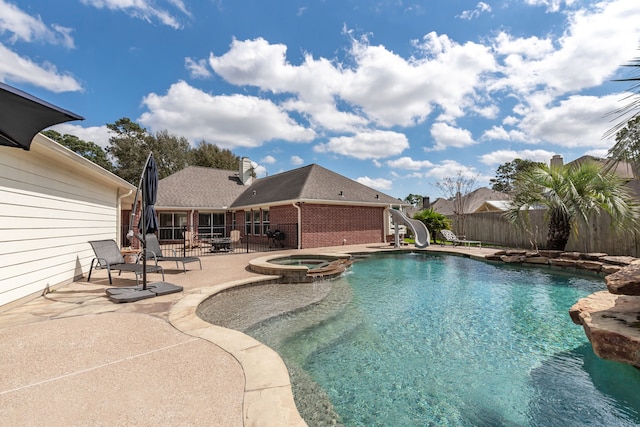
72 357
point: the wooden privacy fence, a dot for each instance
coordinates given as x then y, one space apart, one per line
494 228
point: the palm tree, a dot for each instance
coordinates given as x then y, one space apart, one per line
434 221
571 194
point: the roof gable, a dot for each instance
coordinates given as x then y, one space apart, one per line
200 187
311 183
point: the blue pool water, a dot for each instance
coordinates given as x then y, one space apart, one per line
419 340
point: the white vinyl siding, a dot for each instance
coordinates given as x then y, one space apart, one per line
49 210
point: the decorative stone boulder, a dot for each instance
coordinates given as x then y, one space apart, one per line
589 265
593 256
618 260
611 322
626 281
610 269
537 260
514 252
570 255
562 262
549 253
510 259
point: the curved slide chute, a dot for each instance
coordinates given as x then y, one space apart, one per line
420 231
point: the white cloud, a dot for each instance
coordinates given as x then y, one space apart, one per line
97 134
366 145
377 183
143 9
578 121
446 136
503 156
409 164
312 85
268 160
19 69
198 69
582 58
296 160
474 13
551 5
601 153
392 90
500 133
228 121
381 87
30 29
260 171
449 168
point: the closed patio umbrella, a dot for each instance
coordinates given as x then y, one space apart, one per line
22 116
148 224
150 193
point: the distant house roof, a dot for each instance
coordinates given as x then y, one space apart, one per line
471 202
622 169
311 183
494 206
199 187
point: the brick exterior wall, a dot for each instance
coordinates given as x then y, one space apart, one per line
330 225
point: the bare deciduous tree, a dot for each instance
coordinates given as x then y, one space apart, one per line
456 190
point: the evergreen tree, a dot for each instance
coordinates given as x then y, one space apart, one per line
87 149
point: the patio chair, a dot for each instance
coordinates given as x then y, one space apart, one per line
108 256
235 238
190 241
154 251
449 236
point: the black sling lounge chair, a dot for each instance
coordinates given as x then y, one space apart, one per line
154 251
108 256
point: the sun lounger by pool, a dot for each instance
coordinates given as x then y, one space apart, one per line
449 236
108 256
154 251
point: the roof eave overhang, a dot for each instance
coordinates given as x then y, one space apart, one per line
318 202
43 145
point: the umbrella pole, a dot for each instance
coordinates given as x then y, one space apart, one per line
144 224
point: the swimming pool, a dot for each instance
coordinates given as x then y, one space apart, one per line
421 339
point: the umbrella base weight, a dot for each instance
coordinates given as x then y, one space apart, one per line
137 293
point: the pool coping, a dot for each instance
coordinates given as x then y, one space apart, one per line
267 385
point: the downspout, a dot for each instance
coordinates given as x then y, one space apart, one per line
386 229
299 225
119 220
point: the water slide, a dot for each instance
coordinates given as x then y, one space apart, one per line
419 230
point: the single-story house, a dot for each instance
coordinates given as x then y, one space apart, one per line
52 202
311 205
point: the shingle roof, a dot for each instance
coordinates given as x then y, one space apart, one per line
200 187
310 183
472 201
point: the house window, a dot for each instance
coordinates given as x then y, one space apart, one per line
247 222
171 225
256 223
265 221
211 224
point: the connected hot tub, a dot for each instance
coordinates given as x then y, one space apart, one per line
301 267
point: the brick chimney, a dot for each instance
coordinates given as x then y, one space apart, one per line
556 161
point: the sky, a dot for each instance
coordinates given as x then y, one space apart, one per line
395 94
